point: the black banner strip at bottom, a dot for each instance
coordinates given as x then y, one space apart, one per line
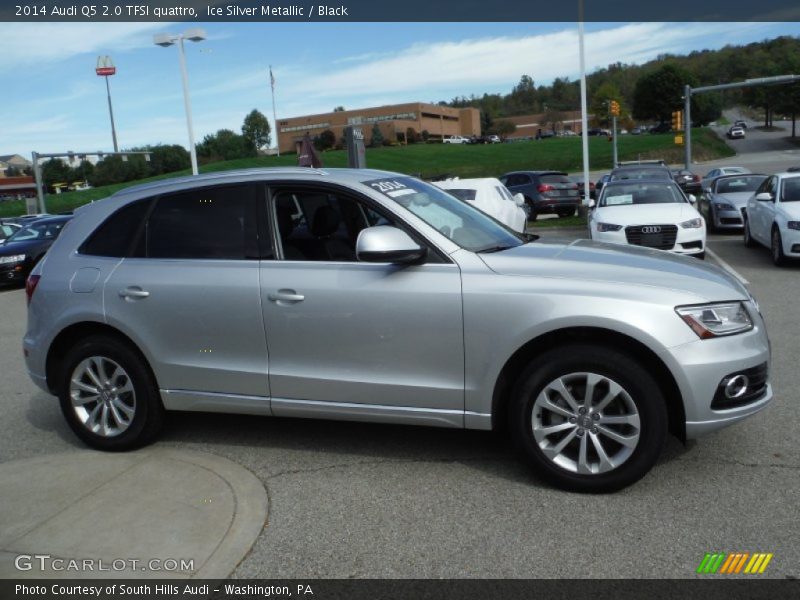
401 589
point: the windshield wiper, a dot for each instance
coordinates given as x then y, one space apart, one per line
498 248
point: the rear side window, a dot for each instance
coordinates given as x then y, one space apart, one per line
464 194
207 223
554 179
115 235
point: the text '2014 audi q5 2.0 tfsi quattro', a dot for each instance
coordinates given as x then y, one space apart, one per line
372 296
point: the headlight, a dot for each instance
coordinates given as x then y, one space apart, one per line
692 224
11 259
793 225
714 320
602 227
724 206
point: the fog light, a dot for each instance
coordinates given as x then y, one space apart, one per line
736 386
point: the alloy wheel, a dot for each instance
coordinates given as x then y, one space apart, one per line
586 423
102 396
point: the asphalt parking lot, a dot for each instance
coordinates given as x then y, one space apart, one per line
358 500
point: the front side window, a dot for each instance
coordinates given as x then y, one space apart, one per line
458 221
206 223
791 190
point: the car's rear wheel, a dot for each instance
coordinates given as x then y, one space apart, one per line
108 395
588 418
778 257
748 238
532 213
566 213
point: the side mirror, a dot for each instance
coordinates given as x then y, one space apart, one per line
519 199
385 244
707 190
592 203
764 197
692 198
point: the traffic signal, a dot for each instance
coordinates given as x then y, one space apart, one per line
677 120
615 108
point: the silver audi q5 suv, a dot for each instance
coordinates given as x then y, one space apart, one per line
372 296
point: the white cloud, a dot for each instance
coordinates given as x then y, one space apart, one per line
27 44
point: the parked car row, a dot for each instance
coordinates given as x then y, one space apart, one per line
27 240
475 139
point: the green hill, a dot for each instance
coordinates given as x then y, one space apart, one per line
430 160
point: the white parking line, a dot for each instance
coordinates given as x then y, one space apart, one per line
726 266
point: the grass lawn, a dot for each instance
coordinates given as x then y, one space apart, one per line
430 160
574 221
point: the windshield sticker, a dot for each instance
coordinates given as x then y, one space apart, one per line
618 200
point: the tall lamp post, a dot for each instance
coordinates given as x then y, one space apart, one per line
105 68
168 39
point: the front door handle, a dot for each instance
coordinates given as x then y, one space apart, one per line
133 293
286 296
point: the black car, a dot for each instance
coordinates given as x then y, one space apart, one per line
544 191
689 182
20 252
661 128
8 228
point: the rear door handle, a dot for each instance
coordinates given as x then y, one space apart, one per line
286 296
133 293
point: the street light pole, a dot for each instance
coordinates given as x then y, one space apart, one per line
187 104
111 114
584 109
164 40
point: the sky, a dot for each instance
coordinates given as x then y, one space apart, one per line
53 101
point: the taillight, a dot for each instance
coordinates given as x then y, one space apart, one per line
696 177
30 286
545 188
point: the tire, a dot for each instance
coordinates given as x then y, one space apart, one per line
700 256
711 225
532 216
565 213
776 247
129 406
638 397
749 242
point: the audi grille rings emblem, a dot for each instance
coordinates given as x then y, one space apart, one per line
651 229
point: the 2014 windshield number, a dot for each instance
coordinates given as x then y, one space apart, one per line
388 186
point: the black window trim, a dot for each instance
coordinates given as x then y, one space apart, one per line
278 185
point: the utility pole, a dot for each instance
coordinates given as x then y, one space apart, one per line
105 68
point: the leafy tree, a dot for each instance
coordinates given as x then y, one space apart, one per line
325 140
339 109
412 137
56 170
425 135
553 118
377 136
601 100
659 93
12 171
256 129
504 128
84 171
168 158
225 145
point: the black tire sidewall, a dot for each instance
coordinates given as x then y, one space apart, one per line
149 409
604 361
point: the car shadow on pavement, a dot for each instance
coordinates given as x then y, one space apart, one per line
490 452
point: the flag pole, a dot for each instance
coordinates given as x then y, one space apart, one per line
274 117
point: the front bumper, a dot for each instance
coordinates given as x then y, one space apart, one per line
688 241
13 272
791 242
701 365
728 219
555 205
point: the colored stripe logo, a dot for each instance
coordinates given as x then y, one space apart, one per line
734 563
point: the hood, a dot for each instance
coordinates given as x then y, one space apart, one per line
792 210
587 260
738 199
644 214
21 247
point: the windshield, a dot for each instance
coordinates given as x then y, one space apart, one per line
459 222
37 231
641 193
740 184
791 190
641 174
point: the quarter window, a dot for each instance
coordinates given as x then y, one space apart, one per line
114 236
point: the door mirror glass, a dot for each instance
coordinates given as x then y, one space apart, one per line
592 203
764 197
519 199
383 244
692 198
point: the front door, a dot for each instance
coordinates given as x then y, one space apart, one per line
350 333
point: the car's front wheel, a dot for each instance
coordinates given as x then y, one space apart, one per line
778 257
108 395
749 242
588 418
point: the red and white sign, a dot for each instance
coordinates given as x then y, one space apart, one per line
105 67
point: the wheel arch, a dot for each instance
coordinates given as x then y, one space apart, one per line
73 333
514 366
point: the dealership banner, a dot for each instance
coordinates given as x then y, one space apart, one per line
399 11
401 589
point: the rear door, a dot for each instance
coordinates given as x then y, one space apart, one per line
189 294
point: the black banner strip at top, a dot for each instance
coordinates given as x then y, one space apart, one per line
397 10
